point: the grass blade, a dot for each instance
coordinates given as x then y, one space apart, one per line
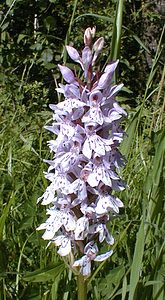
137 261
64 53
104 18
124 288
117 27
131 134
5 214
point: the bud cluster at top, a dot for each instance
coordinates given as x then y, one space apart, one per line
83 173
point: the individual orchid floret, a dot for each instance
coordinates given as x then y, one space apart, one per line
83 224
84 169
69 104
106 203
94 143
101 174
110 92
114 113
103 233
79 187
56 220
90 252
74 55
95 98
69 91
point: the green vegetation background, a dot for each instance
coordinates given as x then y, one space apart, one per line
33 35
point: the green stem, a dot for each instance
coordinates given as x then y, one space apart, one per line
82 287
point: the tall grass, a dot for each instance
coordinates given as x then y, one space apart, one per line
29 270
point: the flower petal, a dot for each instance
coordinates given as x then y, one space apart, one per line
81 228
86 149
104 256
68 222
65 247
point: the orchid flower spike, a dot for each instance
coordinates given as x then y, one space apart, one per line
83 173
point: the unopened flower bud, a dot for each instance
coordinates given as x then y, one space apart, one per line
86 59
67 74
97 48
73 53
98 45
93 31
88 35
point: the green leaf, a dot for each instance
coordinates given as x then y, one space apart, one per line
47 55
49 22
26 223
36 46
4 26
49 66
153 282
9 2
46 274
21 37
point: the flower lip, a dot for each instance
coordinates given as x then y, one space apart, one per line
84 174
95 97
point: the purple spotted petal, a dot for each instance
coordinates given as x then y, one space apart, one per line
81 230
65 247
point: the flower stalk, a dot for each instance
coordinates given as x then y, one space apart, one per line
81 287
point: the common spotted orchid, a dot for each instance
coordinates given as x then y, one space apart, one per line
84 169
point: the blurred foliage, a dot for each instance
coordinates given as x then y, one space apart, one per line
33 35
